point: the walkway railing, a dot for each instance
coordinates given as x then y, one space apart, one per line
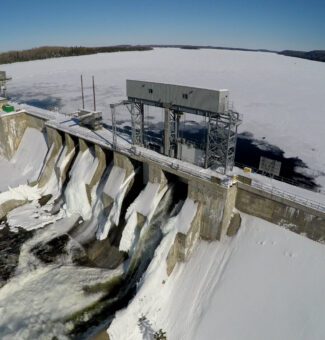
290 196
278 178
174 163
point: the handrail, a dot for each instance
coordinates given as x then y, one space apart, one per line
179 165
278 178
289 196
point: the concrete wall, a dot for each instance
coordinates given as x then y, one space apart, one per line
213 216
291 215
183 244
217 204
100 155
7 206
71 148
54 141
12 129
153 173
123 162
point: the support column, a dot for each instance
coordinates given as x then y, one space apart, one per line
137 119
207 144
141 109
217 204
55 146
167 132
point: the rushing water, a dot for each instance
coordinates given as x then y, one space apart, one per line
58 279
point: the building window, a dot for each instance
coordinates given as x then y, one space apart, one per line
185 96
150 91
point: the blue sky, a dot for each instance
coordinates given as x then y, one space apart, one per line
277 24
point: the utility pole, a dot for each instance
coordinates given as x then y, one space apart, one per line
82 92
94 94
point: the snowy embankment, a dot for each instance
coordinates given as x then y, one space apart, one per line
280 97
265 283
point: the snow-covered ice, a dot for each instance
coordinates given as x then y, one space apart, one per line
281 97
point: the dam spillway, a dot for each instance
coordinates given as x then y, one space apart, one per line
155 167
106 206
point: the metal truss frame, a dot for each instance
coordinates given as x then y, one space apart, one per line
221 137
137 122
171 132
221 140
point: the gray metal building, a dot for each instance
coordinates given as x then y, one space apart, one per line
221 131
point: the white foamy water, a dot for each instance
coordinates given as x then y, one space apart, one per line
82 172
116 188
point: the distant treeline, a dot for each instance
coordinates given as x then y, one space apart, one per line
208 47
312 55
46 52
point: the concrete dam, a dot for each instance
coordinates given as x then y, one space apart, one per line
107 202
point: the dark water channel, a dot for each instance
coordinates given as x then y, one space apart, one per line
249 151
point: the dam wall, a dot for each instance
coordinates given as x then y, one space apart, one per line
12 129
211 203
279 210
54 142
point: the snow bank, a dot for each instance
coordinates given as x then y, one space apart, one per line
32 216
21 193
258 285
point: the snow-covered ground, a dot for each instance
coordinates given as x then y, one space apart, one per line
281 97
265 283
